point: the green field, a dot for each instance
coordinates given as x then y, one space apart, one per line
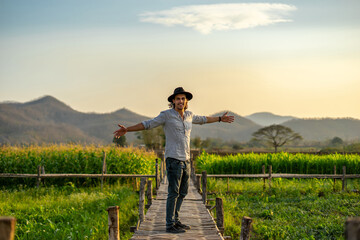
291 209
68 212
251 163
72 159
76 208
70 208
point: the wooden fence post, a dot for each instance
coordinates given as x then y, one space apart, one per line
142 200
352 228
198 183
220 215
344 179
163 164
192 169
162 169
103 169
135 183
157 174
245 228
7 228
270 172
161 156
263 172
38 177
149 193
204 184
113 219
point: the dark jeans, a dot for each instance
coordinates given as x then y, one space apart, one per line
178 173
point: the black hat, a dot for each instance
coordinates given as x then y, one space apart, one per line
180 90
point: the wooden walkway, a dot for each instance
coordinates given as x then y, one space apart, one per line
193 212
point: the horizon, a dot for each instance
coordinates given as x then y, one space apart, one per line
288 57
208 114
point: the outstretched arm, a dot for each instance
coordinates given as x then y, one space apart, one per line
223 118
123 130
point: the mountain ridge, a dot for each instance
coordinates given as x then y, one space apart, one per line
267 118
48 120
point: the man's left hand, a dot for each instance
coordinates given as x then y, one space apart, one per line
226 118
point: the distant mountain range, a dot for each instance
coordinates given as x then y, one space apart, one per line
48 120
267 119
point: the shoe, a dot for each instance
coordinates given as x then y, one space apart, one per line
174 229
182 226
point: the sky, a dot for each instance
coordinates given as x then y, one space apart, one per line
288 57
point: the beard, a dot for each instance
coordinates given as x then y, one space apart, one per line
181 106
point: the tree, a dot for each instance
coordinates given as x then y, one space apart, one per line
197 142
205 143
153 138
120 142
276 135
336 141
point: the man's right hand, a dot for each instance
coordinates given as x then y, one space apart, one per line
121 132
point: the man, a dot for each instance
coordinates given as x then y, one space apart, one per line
177 124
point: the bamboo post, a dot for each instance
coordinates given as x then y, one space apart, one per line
38 177
245 228
270 172
157 174
204 184
113 219
149 193
352 228
162 169
263 172
103 169
220 215
161 157
344 179
7 228
135 183
334 178
142 199
198 183
191 165
193 169
163 164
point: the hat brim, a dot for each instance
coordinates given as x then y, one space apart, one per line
188 95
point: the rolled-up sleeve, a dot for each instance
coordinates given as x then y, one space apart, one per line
199 119
155 122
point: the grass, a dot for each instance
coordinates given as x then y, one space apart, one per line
68 212
291 209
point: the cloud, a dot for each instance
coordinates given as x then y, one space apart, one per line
208 18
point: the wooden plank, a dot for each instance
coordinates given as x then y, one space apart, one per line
193 212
